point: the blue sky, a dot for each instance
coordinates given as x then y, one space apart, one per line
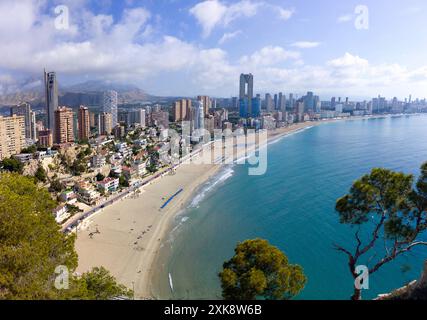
182 47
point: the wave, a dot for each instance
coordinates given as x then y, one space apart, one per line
212 183
288 135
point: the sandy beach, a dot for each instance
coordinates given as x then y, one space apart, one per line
126 237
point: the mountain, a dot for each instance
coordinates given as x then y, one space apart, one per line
87 93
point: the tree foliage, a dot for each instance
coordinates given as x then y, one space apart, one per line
40 174
32 247
391 209
259 270
12 165
101 285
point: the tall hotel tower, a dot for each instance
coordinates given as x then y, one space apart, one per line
51 93
246 93
110 105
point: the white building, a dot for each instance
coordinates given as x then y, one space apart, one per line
61 213
108 184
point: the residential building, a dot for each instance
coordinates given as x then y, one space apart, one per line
86 193
12 135
64 125
181 110
108 185
84 123
160 119
105 123
24 109
207 104
45 138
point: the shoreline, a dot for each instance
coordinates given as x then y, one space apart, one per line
106 239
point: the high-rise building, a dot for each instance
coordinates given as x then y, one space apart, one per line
209 123
110 100
92 118
317 104
12 135
309 101
256 106
64 125
24 109
45 138
291 101
160 119
269 104
181 110
333 102
105 123
51 96
207 104
199 115
300 111
84 123
137 117
246 94
282 102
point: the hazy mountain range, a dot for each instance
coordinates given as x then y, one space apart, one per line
87 93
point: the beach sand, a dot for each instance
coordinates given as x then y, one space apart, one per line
126 237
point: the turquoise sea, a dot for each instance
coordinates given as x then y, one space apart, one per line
292 206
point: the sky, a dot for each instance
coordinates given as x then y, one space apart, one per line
355 49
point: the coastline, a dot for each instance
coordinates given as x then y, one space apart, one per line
130 254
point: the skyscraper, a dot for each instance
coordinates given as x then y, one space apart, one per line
309 101
269 104
181 110
246 94
110 105
64 125
282 102
51 95
24 109
199 115
12 135
84 123
207 104
105 123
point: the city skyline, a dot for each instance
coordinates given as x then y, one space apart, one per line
319 47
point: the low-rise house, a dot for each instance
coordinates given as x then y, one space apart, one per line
140 167
24 157
86 193
98 161
116 168
108 184
61 213
141 143
68 196
130 173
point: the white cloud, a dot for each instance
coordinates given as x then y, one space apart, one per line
305 44
213 13
105 48
348 60
268 56
229 35
285 14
